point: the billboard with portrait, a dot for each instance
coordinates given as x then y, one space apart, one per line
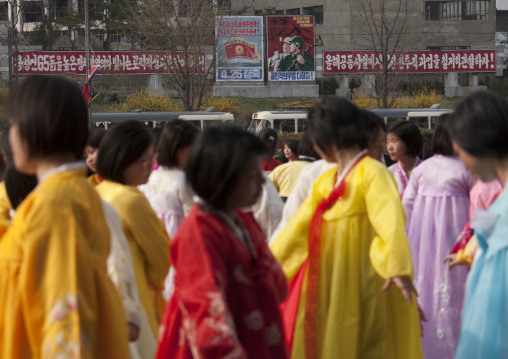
240 48
290 47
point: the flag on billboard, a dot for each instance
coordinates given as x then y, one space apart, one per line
238 47
87 89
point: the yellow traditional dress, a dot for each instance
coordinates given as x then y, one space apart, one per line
56 299
362 244
5 204
148 242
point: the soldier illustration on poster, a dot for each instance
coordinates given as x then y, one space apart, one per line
291 43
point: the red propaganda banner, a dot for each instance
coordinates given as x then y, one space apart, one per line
111 62
426 61
290 48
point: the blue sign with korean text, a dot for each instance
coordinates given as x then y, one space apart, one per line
240 48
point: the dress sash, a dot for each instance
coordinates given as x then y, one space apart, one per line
289 307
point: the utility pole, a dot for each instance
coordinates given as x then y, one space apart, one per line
87 56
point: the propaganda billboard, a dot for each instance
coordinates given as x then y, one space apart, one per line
290 47
111 62
240 48
424 61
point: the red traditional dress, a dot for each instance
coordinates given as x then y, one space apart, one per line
269 164
228 287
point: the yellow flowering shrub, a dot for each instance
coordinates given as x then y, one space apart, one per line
222 104
422 98
148 101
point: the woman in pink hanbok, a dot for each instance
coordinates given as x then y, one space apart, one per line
436 202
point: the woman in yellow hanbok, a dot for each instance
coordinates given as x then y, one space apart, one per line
56 300
353 223
125 160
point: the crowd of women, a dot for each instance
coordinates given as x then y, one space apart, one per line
179 244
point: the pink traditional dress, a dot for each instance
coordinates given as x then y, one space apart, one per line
400 176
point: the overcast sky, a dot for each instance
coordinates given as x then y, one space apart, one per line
502 4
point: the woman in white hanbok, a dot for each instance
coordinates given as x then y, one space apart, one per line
166 190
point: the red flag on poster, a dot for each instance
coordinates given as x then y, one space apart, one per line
87 89
241 49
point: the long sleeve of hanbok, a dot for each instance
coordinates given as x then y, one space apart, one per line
151 237
275 273
65 309
291 246
200 289
389 252
120 268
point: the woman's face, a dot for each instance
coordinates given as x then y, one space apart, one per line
138 172
395 147
289 154
91 157
182 155
19 148
481 168
248 187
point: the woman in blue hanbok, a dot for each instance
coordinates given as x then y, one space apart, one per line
479 129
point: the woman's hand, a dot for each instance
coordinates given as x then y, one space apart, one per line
423 318
404 283
452 261
133 332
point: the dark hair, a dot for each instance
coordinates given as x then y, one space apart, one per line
427 146
334 121
306 147
51 115
122 145
372 124
18 185
408 133
292 143
479 125
5 151
95 137
441 143
176 134
270 137
217 159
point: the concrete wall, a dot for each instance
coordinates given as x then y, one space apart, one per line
339 29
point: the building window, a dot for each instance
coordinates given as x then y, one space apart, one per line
457 10
119 37
432 11
258 12
4 11
317 11
293 11
32 11
59 9
279 12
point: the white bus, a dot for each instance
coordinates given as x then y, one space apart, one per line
296 121
200 119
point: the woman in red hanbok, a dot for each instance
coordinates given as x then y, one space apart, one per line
228 286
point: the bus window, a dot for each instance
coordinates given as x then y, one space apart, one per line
258 125
422 122
211 123
284 125
302 125
433 121
195 123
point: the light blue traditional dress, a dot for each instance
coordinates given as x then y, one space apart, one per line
484 329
